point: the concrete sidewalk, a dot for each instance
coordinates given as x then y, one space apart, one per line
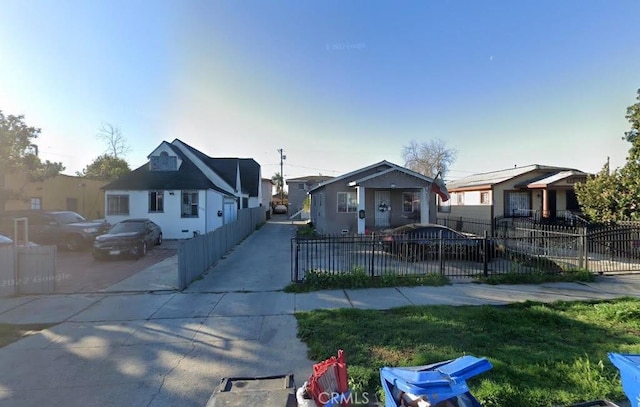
170 348
145 306
174 348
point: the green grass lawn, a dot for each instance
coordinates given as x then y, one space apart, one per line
542 354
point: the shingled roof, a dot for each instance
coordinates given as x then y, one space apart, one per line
488 179
189 176
142 178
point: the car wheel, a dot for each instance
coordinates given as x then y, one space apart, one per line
142 250
73 243
159 240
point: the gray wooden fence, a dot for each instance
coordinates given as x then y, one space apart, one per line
196 255
27 270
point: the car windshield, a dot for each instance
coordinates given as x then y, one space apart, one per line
127 227
68 217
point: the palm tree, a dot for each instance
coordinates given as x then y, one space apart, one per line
278 181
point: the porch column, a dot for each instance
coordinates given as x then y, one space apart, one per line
425 204
361 222
545 203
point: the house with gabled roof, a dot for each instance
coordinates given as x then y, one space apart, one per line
185 191
380 196
299 190
538 191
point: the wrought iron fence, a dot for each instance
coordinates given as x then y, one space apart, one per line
516 247
451 257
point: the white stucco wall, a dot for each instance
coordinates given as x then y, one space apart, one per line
213 205
170 220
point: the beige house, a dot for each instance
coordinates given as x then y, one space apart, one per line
62 192
379 196
537 191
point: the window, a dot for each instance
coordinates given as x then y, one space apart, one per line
410 202
301 186
460 198
517 203
156 201
347 202
189 204
117 204
36 203
163 162
484 198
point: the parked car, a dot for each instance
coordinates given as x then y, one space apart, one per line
5 241
129 238
66 229
280 209
416 242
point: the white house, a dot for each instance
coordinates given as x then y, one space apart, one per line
185 191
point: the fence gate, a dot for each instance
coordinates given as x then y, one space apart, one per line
614 248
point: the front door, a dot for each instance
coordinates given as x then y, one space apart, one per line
552 204
383 208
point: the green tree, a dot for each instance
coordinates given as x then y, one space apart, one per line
598 196
429 157
18 152
611 196
278 181
633 116
106 168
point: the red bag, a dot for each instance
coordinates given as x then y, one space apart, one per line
329 378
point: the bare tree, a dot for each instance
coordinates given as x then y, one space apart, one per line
117 145
428 157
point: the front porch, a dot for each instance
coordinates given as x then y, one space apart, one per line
389 208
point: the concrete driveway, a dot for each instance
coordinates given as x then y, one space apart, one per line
262 262
78 272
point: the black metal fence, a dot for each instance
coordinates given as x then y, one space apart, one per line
518 246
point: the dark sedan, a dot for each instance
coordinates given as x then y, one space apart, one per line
415 242
129 238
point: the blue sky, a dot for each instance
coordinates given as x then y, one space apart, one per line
337 84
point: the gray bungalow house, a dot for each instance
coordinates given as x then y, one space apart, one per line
379 196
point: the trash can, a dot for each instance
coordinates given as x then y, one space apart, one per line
629 366
255 391
434 383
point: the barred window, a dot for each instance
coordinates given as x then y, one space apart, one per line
117 204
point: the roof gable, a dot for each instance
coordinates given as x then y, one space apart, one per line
201 161
384 165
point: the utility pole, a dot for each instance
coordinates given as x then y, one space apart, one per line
282 158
